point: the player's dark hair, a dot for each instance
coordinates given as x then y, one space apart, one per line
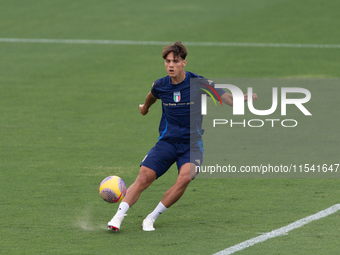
177 49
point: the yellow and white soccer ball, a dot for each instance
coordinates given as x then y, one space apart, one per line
112 189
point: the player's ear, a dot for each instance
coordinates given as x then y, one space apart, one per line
184 62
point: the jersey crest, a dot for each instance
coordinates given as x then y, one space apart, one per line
177 96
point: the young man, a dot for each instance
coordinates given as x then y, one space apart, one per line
174 144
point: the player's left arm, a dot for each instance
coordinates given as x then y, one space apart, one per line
227 98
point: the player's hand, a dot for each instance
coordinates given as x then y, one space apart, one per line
254 97
142 109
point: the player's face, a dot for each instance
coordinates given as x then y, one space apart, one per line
174 66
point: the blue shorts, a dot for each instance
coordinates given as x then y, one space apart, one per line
161 157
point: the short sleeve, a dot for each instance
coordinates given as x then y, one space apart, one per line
219 91
154 90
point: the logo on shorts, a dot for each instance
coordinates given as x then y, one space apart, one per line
177 96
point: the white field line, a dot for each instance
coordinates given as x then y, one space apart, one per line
209 44
280 231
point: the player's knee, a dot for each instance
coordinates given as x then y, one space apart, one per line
184 179
145 178
185 175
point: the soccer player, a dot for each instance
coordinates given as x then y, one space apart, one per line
177 142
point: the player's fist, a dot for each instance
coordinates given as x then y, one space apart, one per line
143 110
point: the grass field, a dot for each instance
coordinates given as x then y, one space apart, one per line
69 117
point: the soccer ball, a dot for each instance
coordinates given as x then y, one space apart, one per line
112 189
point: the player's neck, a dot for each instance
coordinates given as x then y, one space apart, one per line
179 78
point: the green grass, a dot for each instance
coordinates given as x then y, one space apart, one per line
69 117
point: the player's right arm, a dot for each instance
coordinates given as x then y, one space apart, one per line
149 100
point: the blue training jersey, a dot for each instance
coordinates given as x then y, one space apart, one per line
177 124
